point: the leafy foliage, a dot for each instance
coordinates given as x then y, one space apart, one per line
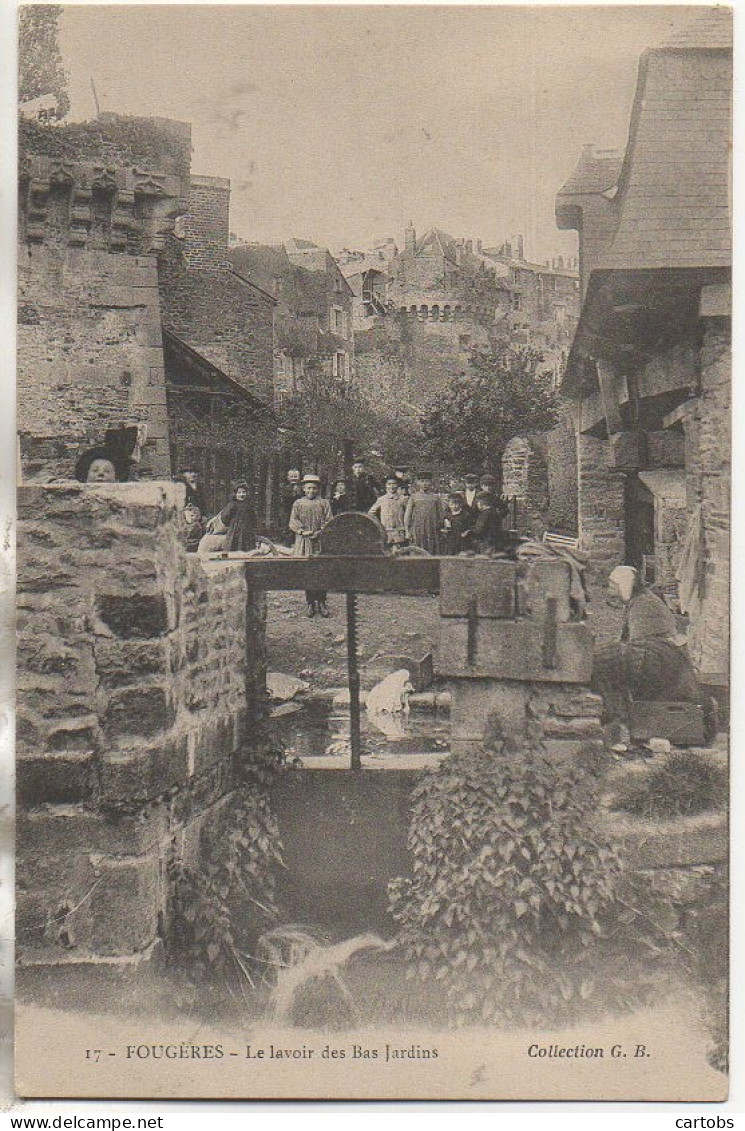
220 908
40 69
504 395
684 785
510 884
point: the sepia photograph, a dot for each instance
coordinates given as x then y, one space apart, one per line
373 536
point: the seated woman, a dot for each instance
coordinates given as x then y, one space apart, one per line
650 661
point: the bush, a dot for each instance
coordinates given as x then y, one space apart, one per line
686 784
510 883
219 910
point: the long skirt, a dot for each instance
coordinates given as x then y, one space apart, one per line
648 670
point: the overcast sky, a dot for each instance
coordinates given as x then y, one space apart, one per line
340 124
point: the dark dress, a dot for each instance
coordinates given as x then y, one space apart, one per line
194 535
340 505
290 494
646 663
240 520
456 526
362 492
486 533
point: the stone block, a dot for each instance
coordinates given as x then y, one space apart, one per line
125 904
676 843
514 650
121 662
144 772
73 828
54 778
134 615
480 709
681 723
490 582
146 710
540 580
79 735
213 740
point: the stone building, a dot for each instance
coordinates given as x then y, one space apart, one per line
101 276
648 374
314 330
420 311
96 200
218 340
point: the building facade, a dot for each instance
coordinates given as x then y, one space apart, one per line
648 376
118 313
421 310
314 331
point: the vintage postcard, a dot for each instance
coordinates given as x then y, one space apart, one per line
373 457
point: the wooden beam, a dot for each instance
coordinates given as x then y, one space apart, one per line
344 574
609 394
679 414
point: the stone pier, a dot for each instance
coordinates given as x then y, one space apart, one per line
135 667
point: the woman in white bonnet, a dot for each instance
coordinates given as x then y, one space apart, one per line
650 661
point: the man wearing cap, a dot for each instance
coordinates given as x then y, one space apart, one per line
362 488
291 492
308 516
471 491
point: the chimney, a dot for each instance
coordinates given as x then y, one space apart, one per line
561 262
410 237
479 246
469 247
507 250
519 247
205 227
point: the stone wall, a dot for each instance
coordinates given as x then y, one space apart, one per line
525 478
414 359
205 228
133 699
90 356
708 471
602 521
227 320
95 201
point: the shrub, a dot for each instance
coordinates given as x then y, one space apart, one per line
686 784
510 883
219 910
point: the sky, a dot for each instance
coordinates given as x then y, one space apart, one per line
340 124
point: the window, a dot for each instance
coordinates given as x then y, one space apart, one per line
340 365
339 321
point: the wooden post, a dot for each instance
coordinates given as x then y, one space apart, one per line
355 740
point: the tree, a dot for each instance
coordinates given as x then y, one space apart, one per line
322 413
504 395
40 69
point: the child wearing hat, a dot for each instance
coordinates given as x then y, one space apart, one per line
307 517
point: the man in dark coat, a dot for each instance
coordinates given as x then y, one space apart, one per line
362 488
290 493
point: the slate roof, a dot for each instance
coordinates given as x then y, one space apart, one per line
711 30
597 171
674 187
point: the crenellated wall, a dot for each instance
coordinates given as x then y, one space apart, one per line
136 673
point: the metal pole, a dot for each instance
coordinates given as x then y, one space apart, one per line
355 743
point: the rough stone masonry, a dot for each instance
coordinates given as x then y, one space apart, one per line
135 670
